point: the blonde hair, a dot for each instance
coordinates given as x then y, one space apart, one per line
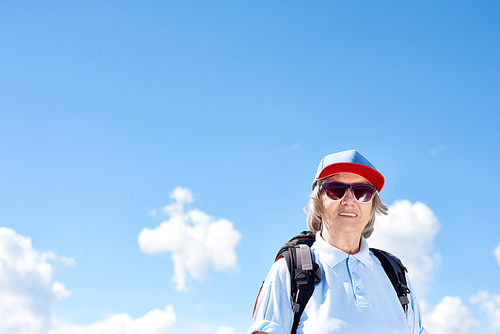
314 209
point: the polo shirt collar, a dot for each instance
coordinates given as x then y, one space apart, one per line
332 255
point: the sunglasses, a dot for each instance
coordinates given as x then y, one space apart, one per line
336 191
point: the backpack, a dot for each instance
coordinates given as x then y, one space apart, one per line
305 273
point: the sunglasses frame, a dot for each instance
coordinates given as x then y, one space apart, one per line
346 189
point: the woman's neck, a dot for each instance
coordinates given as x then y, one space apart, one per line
349 243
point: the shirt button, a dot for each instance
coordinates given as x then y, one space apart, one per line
358 288
354 273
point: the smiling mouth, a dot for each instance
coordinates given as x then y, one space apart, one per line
345 214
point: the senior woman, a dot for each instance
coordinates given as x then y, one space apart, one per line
354 296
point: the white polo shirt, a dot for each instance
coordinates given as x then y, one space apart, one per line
355 296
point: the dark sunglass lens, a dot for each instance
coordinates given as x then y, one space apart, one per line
363 193
335 191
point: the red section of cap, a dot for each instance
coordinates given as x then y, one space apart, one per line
372 175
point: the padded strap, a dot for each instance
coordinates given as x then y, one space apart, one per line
304 258
395 270
304 274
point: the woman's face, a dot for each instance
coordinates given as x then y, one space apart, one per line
346 215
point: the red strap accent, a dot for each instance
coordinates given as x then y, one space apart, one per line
256 300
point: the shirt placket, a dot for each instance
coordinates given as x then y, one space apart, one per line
358 288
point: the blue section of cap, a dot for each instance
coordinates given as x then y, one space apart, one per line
352 156
348 156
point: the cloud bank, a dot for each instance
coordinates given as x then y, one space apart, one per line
154 322
490 303
449 317
27 291
408 232
226 330
195 239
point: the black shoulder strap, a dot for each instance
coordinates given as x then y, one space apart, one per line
304 275
395 270
298 257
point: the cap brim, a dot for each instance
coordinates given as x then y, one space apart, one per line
372 175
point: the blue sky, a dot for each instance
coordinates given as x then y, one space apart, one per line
220 111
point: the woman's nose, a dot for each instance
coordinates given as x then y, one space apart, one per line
348 198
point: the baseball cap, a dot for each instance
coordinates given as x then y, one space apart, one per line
350 161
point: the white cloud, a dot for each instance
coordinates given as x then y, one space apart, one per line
154 322
226 330
408 232
182 195
492 306
67 261
496 252
449 317
26 288
60 291
480 297
27 293
195 239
